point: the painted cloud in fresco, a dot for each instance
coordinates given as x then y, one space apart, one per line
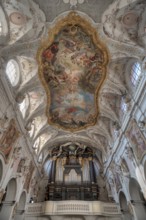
72 69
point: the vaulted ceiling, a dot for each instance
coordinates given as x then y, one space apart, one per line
74 68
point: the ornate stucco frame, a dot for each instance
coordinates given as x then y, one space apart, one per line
73 19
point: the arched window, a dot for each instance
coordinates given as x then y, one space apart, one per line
116 133
12 72
123 106
135 73
23 106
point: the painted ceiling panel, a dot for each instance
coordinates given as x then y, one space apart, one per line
72 69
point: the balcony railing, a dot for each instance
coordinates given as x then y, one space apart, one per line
73 208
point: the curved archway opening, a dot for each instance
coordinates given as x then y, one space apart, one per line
137 199
8 200
21 207
124 207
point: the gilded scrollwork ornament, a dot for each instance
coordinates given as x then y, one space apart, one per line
72 68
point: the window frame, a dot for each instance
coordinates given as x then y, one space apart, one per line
136 72
14 78
123 106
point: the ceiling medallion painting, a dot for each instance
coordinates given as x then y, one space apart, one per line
72 67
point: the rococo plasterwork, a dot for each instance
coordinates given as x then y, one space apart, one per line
72 67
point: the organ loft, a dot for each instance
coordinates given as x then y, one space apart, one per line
73 169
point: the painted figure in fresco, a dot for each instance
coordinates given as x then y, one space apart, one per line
50 53
136 138
21 165
8 139
72 69
28 176
4 122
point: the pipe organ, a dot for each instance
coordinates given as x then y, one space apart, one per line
72 174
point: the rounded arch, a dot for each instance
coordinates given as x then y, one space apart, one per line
11 190
8 200
135 190
124 206
21 207
133 74
13 72
67 138
137 199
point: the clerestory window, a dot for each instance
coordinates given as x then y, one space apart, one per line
12 72
135 73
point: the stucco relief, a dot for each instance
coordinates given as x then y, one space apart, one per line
72 69
22 20
125 24
73 3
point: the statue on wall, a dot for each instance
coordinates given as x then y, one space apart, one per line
9 138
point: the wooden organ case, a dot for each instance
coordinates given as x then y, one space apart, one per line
72 174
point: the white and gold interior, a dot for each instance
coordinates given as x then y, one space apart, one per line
72 110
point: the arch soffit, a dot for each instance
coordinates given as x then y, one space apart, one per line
70 138
11 189
61 140
121 192
134 188
144 166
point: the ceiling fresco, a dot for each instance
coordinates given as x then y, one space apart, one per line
72 68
